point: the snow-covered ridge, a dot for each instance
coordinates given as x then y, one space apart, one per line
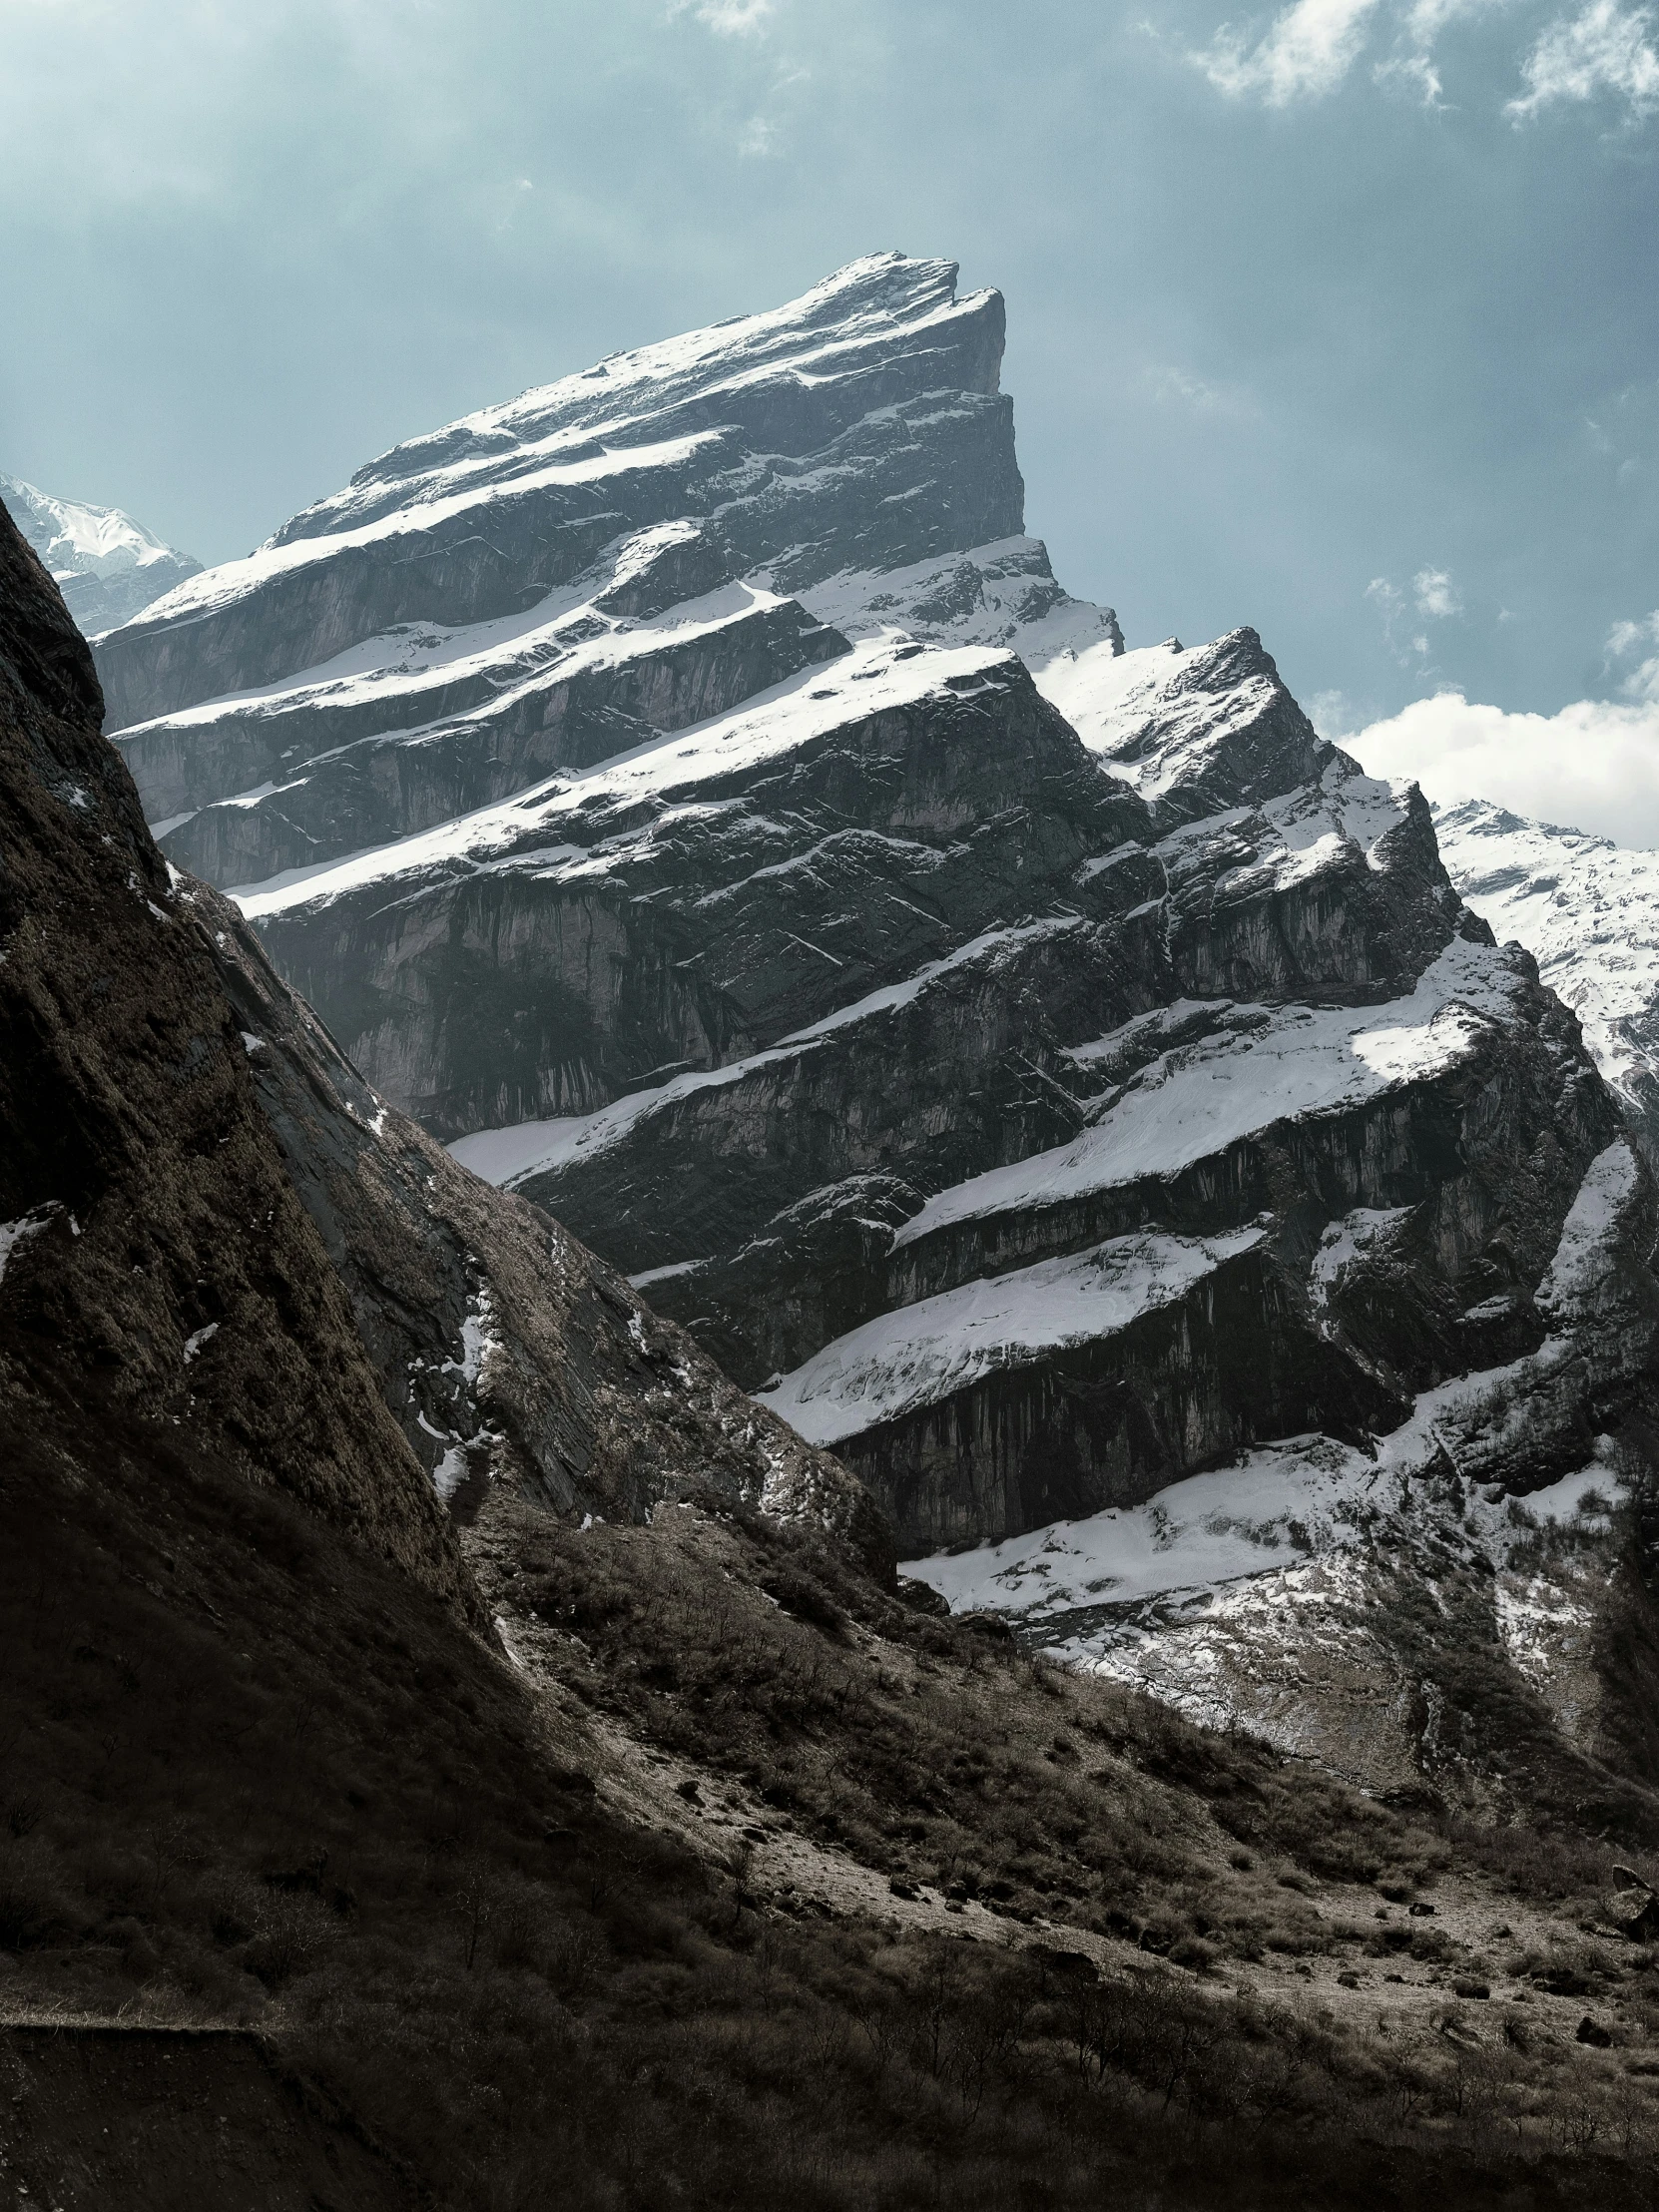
106 566
873 679
1146 712
1270 1064
828 332
1167 716
1588 913
82 540
999 594
784 438
215 588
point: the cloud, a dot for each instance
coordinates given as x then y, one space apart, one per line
1416 71
1436 594
1187 391
1603 49
1431 597
1306 52
1626 638
728 18
1310 48
1593 766
758 138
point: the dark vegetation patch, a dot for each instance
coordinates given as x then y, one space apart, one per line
940 1756
252 1774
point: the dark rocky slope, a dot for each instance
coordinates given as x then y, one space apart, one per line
506 1352
155 1257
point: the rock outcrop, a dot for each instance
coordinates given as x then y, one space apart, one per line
506 1352
210 1226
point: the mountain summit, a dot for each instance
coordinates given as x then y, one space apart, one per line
107 567
1046 1074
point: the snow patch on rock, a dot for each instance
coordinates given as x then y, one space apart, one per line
920 1355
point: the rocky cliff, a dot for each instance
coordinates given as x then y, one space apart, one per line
1038 1070
387 1774
154 1261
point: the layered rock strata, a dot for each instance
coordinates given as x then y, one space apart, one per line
1036 1069
215 1234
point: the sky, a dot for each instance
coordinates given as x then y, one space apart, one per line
1340 319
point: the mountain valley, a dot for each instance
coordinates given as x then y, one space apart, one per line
816 1387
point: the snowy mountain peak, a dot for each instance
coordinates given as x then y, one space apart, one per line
858 430
1042 1069
107 567
856 325
1588 910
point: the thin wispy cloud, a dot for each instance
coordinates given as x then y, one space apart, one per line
1603 50
1170 386
1306 53
1626 638
1407 610
728 18
1417 73
1436 595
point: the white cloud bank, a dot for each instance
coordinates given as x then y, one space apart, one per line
1593 766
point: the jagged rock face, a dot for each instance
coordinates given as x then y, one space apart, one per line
154 1259
792 442
1036 1069
554 582
506 1352
1588 910
106 566
1445 1609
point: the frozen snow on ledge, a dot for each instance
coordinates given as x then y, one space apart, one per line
808 707
1269 1511
1196 1100
920 1355
1302 1496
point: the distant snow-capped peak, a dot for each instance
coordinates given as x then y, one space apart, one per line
106 566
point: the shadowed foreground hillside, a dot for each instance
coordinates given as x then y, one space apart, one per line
516 1854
